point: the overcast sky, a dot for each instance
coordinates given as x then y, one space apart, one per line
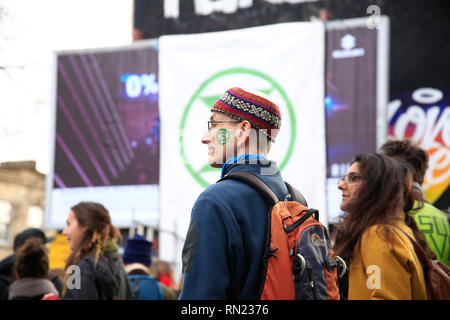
30 31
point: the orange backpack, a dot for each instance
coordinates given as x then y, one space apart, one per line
298 261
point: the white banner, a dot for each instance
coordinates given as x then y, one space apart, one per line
286 61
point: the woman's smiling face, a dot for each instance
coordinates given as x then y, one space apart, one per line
350 186
73 231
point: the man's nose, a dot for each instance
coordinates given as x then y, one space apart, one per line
206 138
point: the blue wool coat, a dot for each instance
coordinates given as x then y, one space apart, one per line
224 244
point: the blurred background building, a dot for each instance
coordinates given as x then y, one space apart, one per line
22 196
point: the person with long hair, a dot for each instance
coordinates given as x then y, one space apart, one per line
376 193
430 220
95 270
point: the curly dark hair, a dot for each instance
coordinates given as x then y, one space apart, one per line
32 260
406 150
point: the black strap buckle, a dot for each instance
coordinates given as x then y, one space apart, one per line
299 265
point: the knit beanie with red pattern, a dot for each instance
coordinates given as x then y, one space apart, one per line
252 106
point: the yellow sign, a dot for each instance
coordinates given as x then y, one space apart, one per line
58 252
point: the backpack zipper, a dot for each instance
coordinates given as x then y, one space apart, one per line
312 284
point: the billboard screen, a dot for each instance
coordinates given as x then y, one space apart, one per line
423 115
355 98
106 135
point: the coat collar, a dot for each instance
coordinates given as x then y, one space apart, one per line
239 159
28 287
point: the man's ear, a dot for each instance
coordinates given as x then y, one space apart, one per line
246 127
244 130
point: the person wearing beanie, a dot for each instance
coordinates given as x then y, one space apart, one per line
137 258
137 254
225 239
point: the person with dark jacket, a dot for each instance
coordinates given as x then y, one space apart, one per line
95 269
137 258
32 270
225 240
7 275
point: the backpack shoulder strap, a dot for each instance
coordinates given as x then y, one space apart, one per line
257 183
296 195
137 287
418 249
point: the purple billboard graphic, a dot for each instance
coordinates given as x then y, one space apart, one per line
350 96
106 135
423 115
107 130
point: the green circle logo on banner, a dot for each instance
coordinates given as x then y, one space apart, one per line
208 93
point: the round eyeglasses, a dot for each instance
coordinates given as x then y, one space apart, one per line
211 123
350 178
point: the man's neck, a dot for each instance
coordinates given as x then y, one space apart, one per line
245 158
251 150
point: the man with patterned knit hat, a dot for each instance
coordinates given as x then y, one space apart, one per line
224 244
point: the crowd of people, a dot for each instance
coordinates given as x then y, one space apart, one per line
382 201
94 269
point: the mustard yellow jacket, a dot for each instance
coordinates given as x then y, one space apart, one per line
382 270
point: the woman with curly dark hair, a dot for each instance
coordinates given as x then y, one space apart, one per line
32 273
95 269
376 193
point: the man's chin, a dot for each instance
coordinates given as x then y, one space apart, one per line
216 165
